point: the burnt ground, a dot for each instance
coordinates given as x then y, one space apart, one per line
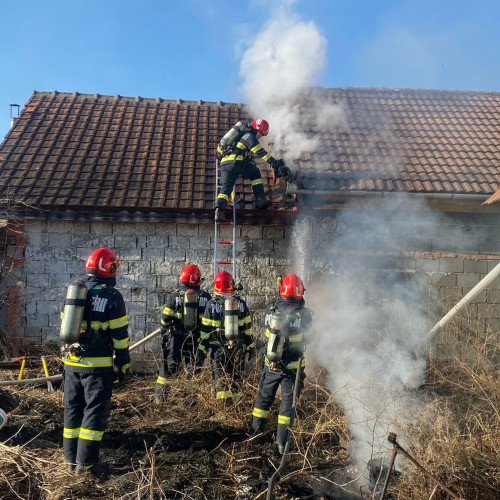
187 448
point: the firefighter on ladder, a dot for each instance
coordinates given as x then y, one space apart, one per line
180 326
94 327
288 328
235 152
226 329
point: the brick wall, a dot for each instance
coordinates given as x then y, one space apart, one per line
429 255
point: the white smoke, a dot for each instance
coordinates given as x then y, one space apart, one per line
370 327
286 59
372 365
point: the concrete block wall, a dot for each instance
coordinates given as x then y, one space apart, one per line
151 257
51 254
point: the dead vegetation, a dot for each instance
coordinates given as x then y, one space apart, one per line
457 435
192 448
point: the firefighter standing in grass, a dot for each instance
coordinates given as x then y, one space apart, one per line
94 327
236 152
180 326
288 328
226 329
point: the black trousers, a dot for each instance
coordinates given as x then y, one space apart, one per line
269 382
227 365
229 174
176 348
87 404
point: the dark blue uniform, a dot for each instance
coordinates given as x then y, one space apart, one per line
239 161
88 371
178 343
284 372
227 357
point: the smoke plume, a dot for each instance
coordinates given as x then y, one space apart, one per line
370 326
286 59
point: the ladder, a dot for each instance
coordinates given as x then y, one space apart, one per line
221 243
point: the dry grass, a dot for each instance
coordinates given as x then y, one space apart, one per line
192 448
457 435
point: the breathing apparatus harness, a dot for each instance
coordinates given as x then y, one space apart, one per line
228 334
78 305
189 311
278 343
227 144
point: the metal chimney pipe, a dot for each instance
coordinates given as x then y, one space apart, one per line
13 118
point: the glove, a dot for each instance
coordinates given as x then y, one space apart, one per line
284 171
275 164
281 170
123 376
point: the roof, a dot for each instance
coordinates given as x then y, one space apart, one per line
98 152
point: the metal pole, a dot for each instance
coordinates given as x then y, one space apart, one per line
391 465
50 387
487 280
149 337
292 419
392 439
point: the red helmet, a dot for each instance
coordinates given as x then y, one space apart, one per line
102 262
292 288
190 275
223 283
261 125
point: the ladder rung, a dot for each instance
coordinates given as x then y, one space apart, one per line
225 262
225 223
225 242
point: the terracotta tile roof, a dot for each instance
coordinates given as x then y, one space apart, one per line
115 153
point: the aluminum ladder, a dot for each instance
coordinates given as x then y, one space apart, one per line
221 243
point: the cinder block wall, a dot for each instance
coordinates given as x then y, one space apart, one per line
51 254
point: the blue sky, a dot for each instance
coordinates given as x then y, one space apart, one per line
193 49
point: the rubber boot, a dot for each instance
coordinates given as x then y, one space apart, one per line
98 470
220 215
281 448
262 202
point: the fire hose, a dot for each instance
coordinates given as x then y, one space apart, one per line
54 378
296 389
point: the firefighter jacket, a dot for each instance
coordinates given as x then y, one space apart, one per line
246 148
104 331
173 313
212 334
300 331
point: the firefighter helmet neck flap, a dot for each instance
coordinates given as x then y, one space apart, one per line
223 283
261 126
292 288
190 275
102 262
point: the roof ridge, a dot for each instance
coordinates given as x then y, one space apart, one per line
119 97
